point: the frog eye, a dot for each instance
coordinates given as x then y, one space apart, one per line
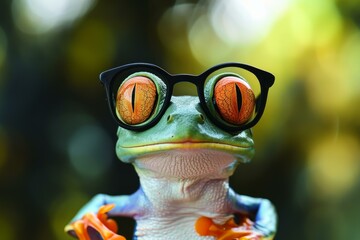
135 100
234 99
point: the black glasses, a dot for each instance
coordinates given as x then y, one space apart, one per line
232 95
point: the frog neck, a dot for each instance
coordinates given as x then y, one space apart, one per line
186 179
191 193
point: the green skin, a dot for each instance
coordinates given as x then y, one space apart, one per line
172 196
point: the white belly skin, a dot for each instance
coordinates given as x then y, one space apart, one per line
156 229
178 221
175 198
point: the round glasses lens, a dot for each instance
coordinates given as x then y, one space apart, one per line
230 95
137 97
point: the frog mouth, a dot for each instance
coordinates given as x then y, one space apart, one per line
188 144
129 153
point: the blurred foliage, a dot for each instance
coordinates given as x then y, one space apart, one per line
57 137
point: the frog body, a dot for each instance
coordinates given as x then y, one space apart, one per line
184 163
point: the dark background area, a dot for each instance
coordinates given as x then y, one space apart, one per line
57 136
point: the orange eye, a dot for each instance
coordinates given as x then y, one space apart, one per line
234 99
135 100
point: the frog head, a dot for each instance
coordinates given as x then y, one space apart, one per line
186 136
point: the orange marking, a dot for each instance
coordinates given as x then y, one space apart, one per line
107 228
204 226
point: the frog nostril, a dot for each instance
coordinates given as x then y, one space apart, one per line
201 119
170 118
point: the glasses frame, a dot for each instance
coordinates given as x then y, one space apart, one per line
109 77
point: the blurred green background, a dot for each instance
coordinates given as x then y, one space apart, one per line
57 136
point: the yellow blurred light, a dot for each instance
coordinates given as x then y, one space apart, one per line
8 223
334 166
63 209
173 29
41 16
245 22
349 59
333 83
91 50
303 45
228 30
7 231
205 45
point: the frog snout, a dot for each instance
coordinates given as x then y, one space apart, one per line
199 118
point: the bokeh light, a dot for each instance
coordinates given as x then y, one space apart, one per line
90 151
333 166
41 16
244 22
87 57
60 210
7 224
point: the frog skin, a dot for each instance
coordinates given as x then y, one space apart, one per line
184 163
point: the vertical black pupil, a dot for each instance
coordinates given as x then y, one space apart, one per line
133 98
238 97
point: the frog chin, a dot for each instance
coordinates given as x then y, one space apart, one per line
190 163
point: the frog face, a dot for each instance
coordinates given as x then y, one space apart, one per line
183 126
152 121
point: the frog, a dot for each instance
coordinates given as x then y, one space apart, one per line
184 150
